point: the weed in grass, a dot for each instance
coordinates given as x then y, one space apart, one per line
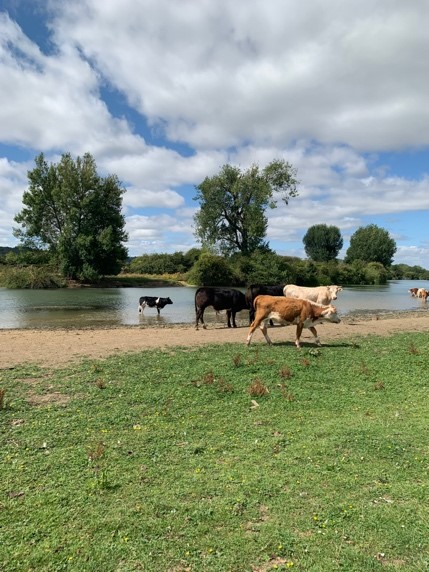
364 368
97 453
220 384
285 373
101 480
378 385
237 360
412 349
305 362
286 393
224 387
100 383
209 378
2 401
257 388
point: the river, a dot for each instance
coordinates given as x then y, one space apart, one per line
104 307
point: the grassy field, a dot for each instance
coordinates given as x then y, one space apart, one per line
221 459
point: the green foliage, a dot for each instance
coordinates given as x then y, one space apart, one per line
322 243
222 459
375 273
164 263
262 267
212 270
30 277
27 256
76 214
405 272
371 244
233 203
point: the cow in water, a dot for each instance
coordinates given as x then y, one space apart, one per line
228 299
153 302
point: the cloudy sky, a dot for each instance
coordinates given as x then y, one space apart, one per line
164 93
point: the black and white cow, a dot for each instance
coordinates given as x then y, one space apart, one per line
228 299
153 302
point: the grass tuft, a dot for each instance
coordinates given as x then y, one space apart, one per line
2 400
257 388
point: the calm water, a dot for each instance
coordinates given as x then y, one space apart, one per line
93 307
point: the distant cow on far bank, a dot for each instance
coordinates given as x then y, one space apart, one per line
153 302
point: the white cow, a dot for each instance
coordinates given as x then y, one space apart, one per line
319 294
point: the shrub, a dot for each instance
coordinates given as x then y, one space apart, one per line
212 270
30 277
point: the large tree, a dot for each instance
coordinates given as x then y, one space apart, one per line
75 214
322 243
371 244
233 204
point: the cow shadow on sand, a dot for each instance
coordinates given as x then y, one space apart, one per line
311 345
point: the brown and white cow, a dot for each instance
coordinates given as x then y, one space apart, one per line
422 293
287 311
319 294
413 292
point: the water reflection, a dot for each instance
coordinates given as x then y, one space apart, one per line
103 307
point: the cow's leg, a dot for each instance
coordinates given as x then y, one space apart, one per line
252 328
199 313
233 318
299 329
316 337
157 309
228 316
263 328
262 325
142 306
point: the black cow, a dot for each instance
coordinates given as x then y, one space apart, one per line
153 302
257 289
228 299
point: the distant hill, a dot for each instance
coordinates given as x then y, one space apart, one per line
5 249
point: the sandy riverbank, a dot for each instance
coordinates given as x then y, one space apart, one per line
59 347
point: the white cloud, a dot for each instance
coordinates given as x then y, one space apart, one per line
218 74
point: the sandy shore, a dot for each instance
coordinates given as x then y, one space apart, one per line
60 347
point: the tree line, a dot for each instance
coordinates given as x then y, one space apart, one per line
72 222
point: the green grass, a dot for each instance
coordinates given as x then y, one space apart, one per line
222 458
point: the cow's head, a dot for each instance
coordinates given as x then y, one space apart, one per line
333 291
168 301
329 314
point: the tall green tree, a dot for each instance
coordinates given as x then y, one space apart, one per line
371 244
322 243
75 214
233 204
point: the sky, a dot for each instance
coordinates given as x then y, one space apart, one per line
164 93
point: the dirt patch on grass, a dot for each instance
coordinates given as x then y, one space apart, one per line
54 398
61 346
